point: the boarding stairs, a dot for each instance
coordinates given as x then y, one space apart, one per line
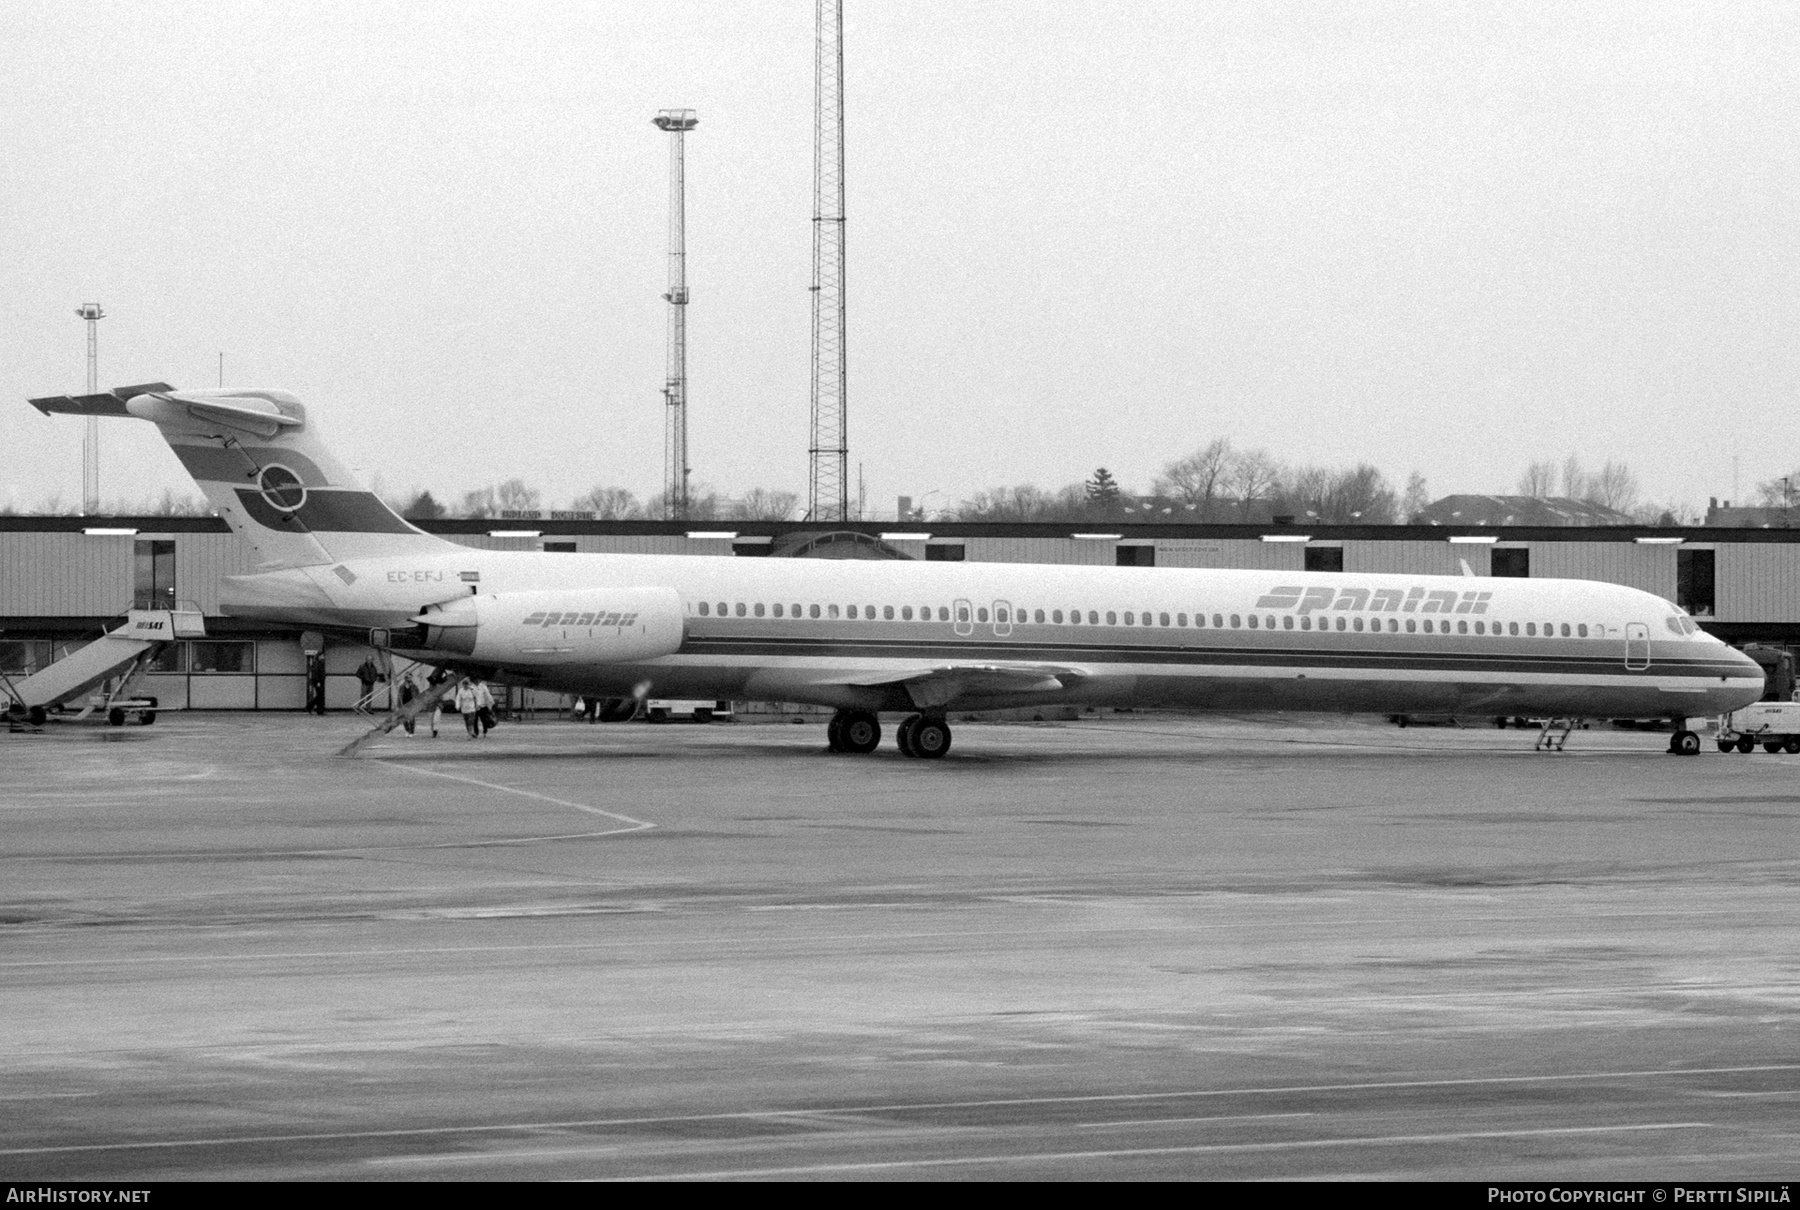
423 704
127 649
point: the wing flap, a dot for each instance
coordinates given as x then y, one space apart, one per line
940 686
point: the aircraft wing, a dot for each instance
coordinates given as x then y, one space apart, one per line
943 684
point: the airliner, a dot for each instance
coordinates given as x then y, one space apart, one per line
915 638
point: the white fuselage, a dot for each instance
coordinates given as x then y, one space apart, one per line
854 633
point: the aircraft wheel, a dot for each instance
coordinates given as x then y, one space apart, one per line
859 732
145 718
1746 746
1685 743
930 738
903 735
37 716
617 709
834 741
115 717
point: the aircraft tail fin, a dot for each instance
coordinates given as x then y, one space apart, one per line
263 466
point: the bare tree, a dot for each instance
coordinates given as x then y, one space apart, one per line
1025 502
514 495
1614 487
1195 481
761 504
608 503
1252 478
1574 479
1780 492
1538 481
1416 498
703 504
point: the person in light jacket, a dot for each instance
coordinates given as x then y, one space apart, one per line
467 704
484 706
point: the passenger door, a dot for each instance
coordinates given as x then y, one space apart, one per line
1637 646
1002 619
963 614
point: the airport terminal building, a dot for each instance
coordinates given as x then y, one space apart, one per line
62 579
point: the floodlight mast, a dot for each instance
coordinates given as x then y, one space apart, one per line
675 453
830 450
90 441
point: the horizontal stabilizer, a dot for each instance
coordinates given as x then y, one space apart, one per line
110 404
246 412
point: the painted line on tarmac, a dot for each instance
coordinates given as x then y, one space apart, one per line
1004 1102
1390 1140
1229 1117
634 825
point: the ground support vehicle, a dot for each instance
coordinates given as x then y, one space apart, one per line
1774 725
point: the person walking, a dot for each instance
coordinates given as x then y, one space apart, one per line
484 706
409 690
438 676
367 674
468 705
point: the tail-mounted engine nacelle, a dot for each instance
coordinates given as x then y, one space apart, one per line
587 625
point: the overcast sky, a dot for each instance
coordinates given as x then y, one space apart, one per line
1445 237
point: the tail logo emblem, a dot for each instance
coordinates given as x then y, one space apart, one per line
281 488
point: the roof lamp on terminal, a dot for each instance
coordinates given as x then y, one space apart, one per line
905 537
1659 541
1474 539
716 535
1098 537
107 531
515 533
1287 537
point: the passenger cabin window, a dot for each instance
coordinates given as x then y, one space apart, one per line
887 612
1234 621
703 609
831 611
740 609
1112 619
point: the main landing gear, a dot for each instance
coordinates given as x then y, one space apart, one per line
853 731
1684 742
921 735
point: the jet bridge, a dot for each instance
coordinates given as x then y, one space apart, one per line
124 652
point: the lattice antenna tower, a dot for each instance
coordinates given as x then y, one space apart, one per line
830 450
90 440
675 388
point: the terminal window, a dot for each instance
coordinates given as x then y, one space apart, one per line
1134 556
153 574
1511 561
1324 558
944 552
221 657
1694 581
